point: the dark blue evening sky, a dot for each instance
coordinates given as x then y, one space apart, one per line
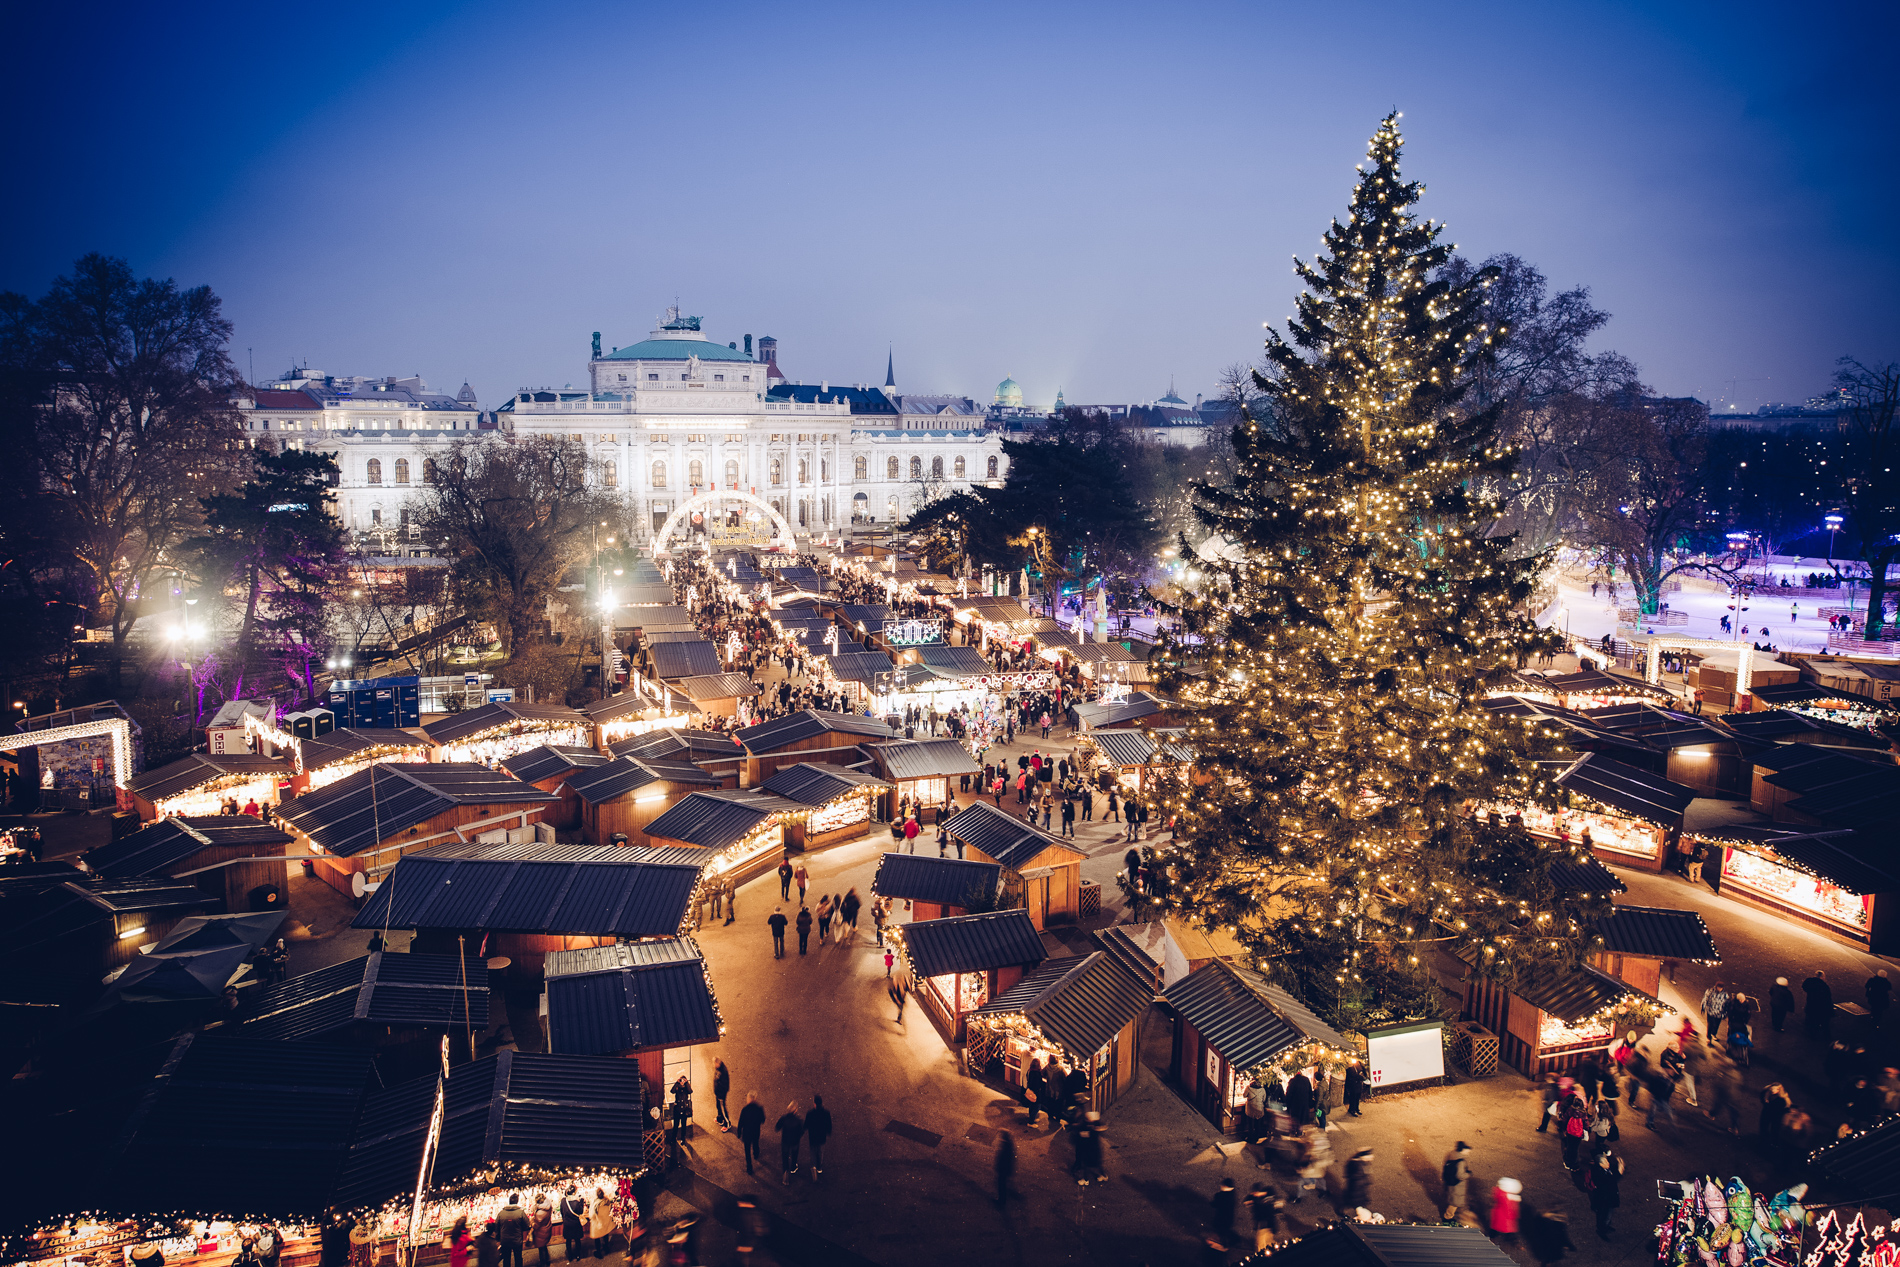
1093 196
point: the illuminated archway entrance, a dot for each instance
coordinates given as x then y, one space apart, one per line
701 502
1659 643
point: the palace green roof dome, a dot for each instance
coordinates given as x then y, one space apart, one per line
675 350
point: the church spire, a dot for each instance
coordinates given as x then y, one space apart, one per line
890 369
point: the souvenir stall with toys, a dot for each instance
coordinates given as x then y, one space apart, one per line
1232 1027
1709 1221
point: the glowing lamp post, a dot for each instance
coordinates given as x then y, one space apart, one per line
1833 523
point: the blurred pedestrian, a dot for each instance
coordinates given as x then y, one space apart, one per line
1358 1181
1263 1206
791 1129
751 1123
1819 1010
1547 1235
1505 1200
1879 994
1004 1163
1780 1003
1456 1175
1226 1204
817 1131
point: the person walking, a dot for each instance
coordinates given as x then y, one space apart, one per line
785 879
804 926
824 919
1506 1199
778 922
1714 1003
1606 1180
1780 1003
751 1122
1879 996
1087 1138
1547 1235
511 1229
1226 1204
1036 1091
1263 1207
1088 804
1004 1164
1068 817
1456 1174
1299 1098
457 1241
1819 1011
803 877
898 989
731 887
791 1128
722 1086
1355 1088
1359 1181
848 911
574 1222
817 1131
1114 813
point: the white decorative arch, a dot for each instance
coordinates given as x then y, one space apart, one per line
116 728
712 497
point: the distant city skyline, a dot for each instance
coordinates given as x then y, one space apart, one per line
1095 199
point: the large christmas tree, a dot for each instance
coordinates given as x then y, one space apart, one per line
1345 637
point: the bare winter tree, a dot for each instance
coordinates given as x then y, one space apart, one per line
516 514
1869 396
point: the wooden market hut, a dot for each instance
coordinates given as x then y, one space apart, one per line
1548 1019
75 931
672 662
1044 869
935 888
364 823
1230 1022
712 751
651 1002
374 1002
618 798
1843 883
1167 949
1639 942
500 730
198 784
1826 788
920 770
743 833
234 858
522 901
1634 817
718 694
960 963
552 768
1081 1008
335 754
1140 708
838 802
810 734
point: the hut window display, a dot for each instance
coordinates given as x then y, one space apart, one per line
1799 889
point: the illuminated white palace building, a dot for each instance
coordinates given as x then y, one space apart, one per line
672 416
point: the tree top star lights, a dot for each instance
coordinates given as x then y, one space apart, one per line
1351 636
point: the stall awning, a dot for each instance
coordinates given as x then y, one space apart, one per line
1008 840
363 809
1245 1017
201 768
714 820
973 943
923 758
535 1109
630 1005
377 989
550 760
1568 995
1864 1166
154 850
807 723
918 877
1586 876
1842 788
461 726
1081 1001
862 667
1124 747
717 686
684 659
814 785
1628 790
1655 932
622 775
1844 858
610 893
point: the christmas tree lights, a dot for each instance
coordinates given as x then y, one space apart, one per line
1349 637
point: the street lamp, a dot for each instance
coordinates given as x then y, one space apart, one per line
1833 523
